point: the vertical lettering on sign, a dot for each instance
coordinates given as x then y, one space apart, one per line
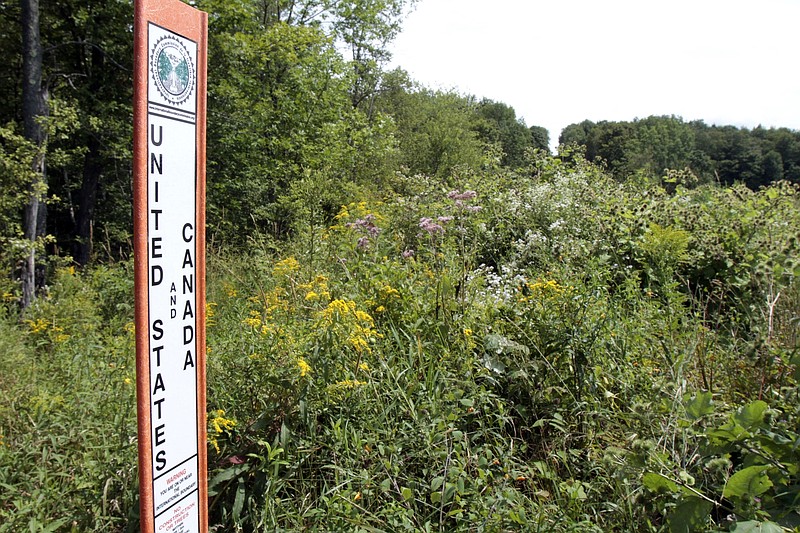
172 131
169 206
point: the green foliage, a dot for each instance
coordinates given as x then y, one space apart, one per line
436 131
89 64
660 143
745 470
650 146
16 175
500 125
586 355
540 350
279 123
540 138
19 182
68 427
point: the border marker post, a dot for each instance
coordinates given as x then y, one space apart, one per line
170 51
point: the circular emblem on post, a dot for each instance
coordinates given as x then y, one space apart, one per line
172 69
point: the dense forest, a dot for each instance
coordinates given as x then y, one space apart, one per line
722 154
420 319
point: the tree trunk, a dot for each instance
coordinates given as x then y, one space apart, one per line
87 199
34 108
92 170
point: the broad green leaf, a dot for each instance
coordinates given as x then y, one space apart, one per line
407 493
754 526
658 483
494 364
751 415
501 345
228 473
690 515
750 481
699 406
449 491
726 434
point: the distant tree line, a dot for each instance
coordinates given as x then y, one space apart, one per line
726 154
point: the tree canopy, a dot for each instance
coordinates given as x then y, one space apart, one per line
726 154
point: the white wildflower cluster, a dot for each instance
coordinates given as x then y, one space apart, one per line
532 241
500 288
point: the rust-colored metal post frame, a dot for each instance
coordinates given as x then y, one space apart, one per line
170 51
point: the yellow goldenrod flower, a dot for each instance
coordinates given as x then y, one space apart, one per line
210 311
340 386
304 367
336 310
253 322
286 267
37 326
219 425
360 344
389 292
363 317
343 213
230 291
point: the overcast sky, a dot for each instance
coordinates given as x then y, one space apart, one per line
557 62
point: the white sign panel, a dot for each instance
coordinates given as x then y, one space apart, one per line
172 279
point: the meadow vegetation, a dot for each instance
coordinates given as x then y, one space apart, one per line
418 318
548 349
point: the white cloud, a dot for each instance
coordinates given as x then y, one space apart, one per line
559 62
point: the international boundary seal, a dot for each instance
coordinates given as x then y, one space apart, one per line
172 69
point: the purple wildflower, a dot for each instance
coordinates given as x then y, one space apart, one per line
466 195
430 226
461 199
365 226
